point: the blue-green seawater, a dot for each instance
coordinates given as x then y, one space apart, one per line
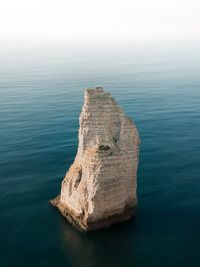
41 96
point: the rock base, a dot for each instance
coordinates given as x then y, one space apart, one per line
83 226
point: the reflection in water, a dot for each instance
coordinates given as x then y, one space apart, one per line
109 247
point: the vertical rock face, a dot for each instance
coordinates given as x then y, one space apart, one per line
99 188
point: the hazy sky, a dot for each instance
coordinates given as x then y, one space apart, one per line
91 20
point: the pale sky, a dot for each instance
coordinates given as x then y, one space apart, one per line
91 20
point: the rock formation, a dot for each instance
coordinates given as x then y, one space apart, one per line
99 188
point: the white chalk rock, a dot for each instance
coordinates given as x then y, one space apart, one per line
99 188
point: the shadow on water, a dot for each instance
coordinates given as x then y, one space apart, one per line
152 238
108 247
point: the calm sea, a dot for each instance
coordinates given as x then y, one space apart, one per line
41 95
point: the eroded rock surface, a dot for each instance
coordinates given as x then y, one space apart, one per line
99 188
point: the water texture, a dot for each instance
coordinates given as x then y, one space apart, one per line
41 95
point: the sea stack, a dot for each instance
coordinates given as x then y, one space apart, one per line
99 188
